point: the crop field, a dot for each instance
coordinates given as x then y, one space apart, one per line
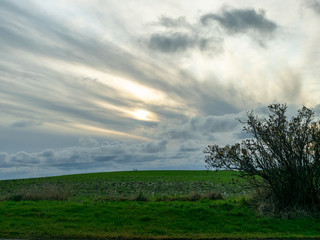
126 185
140 205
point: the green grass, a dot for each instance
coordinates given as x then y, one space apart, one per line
112 219
89 211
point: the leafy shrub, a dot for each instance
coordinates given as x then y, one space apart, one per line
141 197
282 158
195 196
16 197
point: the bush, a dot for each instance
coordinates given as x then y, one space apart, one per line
141 197
194 196
45 191
282 157
213 195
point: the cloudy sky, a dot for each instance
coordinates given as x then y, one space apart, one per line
107 85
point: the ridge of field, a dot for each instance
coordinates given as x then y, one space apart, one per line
116 185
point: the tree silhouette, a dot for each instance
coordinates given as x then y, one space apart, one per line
283 156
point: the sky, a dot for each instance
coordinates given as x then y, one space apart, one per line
107 85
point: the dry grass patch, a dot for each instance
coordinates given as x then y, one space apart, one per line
45 191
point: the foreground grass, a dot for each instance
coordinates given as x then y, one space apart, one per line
113 219
97 206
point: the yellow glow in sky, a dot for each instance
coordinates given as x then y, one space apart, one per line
141 115
108 131
144 115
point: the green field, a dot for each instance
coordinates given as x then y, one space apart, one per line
126 185
139 205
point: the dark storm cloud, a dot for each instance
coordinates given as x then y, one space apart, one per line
168 22
202 36
178 42
314 5
241 21
180 36
173 42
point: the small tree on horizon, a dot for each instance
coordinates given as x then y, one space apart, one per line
283 156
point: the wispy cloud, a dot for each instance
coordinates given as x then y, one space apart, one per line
26 123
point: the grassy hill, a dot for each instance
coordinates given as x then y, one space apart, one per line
139 205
